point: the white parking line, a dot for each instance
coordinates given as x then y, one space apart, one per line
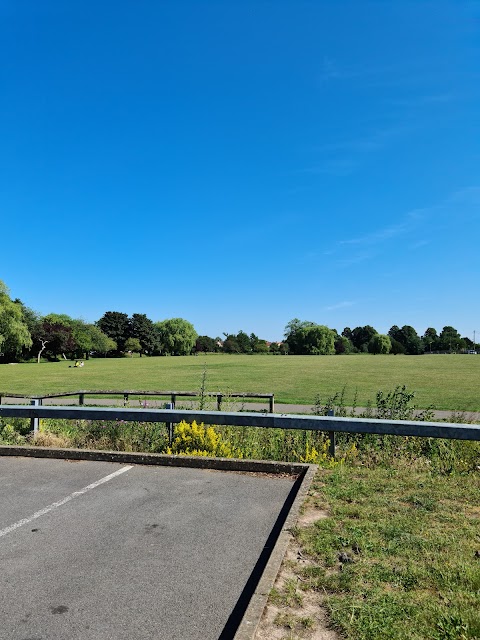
55 505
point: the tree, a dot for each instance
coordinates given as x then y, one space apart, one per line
230 344
14 333
261 346
84 335
143 329
274 348
318 340
133 345
101 343
116 326
243 342
343 345
54 338
294 335
430 339
176 336
450 340
379 344
397 347
408 337
361 336
206 344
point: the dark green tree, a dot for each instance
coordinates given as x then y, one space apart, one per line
361 336
294 336
115 325
430 340
206 344
397 347
143 329
343 345
450 340
243 342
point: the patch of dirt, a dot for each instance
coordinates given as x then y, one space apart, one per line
294 614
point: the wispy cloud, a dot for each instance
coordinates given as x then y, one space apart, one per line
378 236
419 244
340 305
344 156
467 195
462 204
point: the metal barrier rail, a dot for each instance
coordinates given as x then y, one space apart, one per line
246 419
173 395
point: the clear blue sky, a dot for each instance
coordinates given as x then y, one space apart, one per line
240 164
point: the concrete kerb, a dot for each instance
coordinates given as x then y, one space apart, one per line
304 472
123 457
251 619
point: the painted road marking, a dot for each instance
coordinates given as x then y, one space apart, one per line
55 505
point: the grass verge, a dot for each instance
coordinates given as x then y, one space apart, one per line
398 555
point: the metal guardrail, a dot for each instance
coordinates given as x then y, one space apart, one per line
173 395
331 424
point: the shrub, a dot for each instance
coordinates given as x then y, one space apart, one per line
197 440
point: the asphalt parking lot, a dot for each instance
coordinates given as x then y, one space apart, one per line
100 550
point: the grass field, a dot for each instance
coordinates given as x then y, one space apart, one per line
448 382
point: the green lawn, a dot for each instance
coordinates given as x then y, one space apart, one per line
445 381
397 557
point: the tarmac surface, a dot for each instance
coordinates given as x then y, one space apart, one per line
107 551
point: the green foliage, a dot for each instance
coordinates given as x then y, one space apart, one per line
380 344
56 336
309 338
116 326
133 345
361 336
143 329
176 336
450 340
206 344
14 333
101 343
408 338
13 431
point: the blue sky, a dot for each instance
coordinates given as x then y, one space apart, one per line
240 164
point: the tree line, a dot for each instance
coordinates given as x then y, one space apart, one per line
305 337
25 334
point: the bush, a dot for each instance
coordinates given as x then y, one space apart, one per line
197 440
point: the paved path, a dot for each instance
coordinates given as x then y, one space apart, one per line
233 405
105 551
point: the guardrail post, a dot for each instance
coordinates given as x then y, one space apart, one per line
81 399
272 404
174 398
35 422
170 405
331 437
